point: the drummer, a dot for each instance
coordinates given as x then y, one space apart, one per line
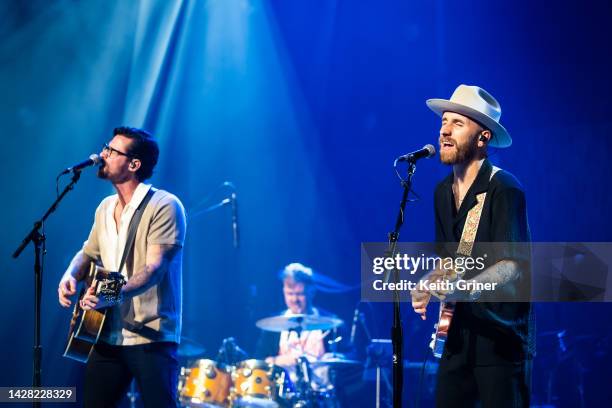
298 291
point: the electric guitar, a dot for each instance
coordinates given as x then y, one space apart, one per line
86 325
438 338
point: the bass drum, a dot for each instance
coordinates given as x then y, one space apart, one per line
262 385
205 384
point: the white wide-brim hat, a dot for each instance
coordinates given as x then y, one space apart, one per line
475 103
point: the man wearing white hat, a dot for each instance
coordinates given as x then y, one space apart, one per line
487 356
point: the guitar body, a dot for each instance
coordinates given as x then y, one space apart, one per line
447 309
85 329
86 325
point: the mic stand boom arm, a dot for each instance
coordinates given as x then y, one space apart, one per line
38 238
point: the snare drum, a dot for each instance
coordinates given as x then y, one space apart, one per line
259 384
205 384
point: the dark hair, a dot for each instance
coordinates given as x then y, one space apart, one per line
143 148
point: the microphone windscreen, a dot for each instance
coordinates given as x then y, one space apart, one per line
95 158
431 149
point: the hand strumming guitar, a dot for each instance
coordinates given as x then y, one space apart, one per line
422 296
105 290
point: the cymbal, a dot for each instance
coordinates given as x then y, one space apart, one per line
335 361
568 336
189 348
298 322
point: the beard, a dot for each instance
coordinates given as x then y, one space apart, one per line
101 172
105 174
459 153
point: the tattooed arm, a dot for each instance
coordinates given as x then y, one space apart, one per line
501 273
158 258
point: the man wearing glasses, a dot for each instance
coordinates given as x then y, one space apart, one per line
141 332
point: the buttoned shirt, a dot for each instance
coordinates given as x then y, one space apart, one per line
504 329
154 315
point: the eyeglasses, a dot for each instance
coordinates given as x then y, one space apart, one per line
110 150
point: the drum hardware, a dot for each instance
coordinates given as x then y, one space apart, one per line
234 381
333 343
230 353
303 376
305 394
189 348
253 383
379 353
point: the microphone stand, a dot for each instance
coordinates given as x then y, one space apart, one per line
231 200
38 239
397 335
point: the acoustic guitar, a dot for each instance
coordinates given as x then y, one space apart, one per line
86 325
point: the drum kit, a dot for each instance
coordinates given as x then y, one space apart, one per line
237 381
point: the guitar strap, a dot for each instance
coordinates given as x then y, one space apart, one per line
468 235
133 227
466 245
127 308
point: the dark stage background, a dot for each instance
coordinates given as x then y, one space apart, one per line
303 105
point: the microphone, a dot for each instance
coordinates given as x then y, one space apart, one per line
426 152
234 202
92 161
354 326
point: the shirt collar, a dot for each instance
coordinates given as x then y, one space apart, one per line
139 194
480 184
